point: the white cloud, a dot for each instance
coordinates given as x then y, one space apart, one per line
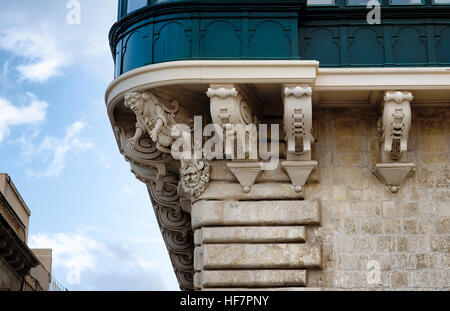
54 151
87 264
11 115
43 57
76 253
41 43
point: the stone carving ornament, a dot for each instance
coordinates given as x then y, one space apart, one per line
393 130
176 230
194 176
157 117
298 122
228 106
298 134
160 173
147 147
395 123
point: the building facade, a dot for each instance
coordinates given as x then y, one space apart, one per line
347 183
21 269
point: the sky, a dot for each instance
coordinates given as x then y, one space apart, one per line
57 144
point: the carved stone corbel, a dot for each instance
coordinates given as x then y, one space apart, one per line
230 107
176 229
148 164
147 147
156 119
395 125
160 173
298 134
298 122
393 130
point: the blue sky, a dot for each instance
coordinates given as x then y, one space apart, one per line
57 145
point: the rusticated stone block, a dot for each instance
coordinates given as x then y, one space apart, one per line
198 258
250 278
259 256
250 213
219 235
264 191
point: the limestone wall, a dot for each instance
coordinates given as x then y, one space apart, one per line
362 221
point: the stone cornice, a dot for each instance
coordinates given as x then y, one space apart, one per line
418 78
4 202
289 72
14 251
211 72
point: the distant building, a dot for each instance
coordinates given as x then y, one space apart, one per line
21 268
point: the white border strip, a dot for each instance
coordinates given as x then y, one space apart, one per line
297 71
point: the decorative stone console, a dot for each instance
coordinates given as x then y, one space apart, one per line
393 129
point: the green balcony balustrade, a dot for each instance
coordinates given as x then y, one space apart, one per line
335 32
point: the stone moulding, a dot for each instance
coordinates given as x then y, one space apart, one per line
261 213
250 279
249 234
258 256
13 249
